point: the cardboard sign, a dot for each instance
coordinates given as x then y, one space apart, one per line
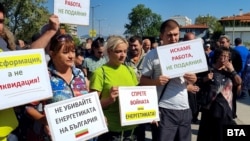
138 104
78 118
24 77
72 11
180 58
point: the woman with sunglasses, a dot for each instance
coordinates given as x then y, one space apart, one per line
106 80
96 59
66 80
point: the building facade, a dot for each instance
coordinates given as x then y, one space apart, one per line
237 26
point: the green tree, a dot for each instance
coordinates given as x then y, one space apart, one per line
143 22
25 17
213 24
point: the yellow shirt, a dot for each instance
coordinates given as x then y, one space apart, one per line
8 122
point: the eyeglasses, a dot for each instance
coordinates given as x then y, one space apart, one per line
64 37
100 52
1 21
224 56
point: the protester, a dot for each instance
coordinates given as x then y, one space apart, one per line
66 80
246 76
135 55
146 45
154 45
175 117
106 80
134 59
96 57
87 47
237 64
79 58
8 121
243 51
189 36
192 89
218 85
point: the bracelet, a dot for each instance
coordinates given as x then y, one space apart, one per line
233 73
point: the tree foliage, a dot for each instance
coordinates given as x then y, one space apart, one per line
25 17
212 22
143 22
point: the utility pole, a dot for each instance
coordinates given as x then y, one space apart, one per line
99 24
93 28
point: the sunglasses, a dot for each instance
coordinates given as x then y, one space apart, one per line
64 37
100 52
1 21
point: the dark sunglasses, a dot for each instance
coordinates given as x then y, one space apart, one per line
1 21
64 37
100 52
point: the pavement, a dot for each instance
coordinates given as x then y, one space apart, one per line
243 117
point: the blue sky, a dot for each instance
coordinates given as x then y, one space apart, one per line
113 14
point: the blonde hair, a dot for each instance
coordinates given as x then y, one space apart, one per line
114 41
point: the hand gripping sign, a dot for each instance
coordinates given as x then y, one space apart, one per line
78 118
180 58
24 77
138 104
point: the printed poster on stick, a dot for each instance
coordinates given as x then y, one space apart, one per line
24 77
72 11
138 104
76 119
183 57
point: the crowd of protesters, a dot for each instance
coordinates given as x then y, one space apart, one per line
104 65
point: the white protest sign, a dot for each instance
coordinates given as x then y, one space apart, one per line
180 58
72 11
138 104
78 118
24 77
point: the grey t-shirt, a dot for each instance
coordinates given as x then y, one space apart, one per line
175 96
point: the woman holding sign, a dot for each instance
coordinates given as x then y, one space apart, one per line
66 80
106 79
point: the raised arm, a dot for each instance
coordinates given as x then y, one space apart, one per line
51 30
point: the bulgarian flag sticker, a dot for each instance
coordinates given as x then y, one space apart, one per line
81 133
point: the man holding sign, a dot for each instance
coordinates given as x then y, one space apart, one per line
172 93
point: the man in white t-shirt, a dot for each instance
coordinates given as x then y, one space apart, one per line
175 113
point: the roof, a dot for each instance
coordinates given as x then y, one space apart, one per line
242 18
195 26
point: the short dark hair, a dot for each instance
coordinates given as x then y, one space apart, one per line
219 51
135 38
79 51
97 43
170 23
237 41
2 9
